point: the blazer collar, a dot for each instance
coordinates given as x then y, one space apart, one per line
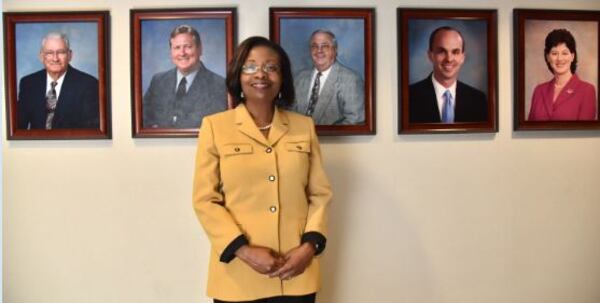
567 91
246 125
326 95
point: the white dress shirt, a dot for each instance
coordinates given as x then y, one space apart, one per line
439 94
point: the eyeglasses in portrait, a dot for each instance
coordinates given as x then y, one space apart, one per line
332 54
57 75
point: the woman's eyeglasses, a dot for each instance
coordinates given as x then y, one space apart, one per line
253 68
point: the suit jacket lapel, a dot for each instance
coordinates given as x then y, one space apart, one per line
548 94
246 125
280 126
198 84
302 90
67 96
171 84
567 91
326 95
40 95
461 103
433 107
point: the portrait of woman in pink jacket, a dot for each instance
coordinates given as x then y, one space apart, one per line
565 97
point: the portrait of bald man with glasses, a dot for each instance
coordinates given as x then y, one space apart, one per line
329 92
58 96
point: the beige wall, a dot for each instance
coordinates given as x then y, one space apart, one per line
494 218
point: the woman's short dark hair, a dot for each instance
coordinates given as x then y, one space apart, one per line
234 70
557 37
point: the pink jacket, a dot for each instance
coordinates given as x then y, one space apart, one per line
576 101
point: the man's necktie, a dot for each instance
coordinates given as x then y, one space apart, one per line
314 95
448 109
181 88
181 92
51 101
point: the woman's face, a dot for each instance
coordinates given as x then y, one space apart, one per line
560 59
261 75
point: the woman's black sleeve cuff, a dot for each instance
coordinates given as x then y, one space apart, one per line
229 252
316 239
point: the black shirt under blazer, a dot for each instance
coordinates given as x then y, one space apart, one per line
470 103
77 107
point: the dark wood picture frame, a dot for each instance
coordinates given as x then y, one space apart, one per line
137 16
96 20
475 25
530 29
311 19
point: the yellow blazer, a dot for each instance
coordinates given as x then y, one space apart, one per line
270 190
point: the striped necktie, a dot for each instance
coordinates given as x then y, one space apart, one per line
314 95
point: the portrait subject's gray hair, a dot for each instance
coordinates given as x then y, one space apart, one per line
186 29
56 35
324 31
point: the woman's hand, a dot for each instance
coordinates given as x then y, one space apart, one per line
262 259
296 261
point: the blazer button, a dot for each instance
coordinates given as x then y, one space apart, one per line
298 147
271 178
273 208
269 150
237 149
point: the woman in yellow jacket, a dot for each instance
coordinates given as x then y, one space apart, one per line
260 190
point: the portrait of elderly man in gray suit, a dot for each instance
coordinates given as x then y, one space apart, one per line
182 96
330 92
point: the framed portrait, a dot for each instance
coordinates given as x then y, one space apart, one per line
448 71
179 61
57 75
556 69
333 63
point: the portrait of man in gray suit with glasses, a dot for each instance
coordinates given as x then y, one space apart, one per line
330 92
182 96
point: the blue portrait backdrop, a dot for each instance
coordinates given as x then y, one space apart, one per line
156 55
295 39
83 39
474 70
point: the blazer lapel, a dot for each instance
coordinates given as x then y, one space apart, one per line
246 125
280 126
567 91
66 97
326 95
548 94
170 85
198 84
301 92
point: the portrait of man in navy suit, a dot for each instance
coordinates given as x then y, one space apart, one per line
441 97
58 96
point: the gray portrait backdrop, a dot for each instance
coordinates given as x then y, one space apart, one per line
295 39
83 38
474 70
156 55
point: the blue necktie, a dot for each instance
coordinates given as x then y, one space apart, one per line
448 109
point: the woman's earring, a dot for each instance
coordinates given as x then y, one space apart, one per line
279 95
242 95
